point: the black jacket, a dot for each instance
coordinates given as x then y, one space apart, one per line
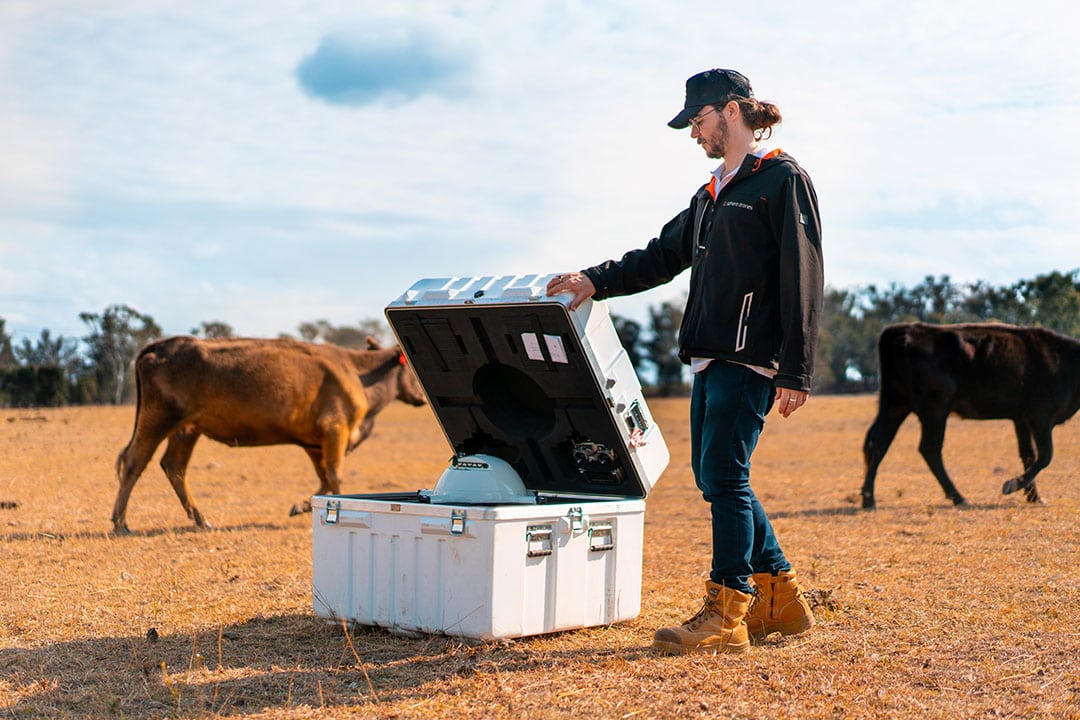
756 278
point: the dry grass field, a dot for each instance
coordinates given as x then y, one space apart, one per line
925 611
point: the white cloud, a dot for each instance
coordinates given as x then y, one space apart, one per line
168 158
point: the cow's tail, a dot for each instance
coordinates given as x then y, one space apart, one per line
120 459
890 346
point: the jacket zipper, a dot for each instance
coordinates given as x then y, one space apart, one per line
744 322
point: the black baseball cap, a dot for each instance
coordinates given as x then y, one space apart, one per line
712 87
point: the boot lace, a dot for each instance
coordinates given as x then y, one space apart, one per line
755 598
708 609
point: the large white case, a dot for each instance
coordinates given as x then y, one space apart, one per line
482 572
547 422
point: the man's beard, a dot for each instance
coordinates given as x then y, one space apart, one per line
714 146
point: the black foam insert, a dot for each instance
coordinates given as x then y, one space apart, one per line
549 419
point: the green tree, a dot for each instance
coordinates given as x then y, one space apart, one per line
629 332
114 339
55 367
1054 300
983 302
935 300
213 329
378 329
309 331
61 352
350 336
662 348
846 359
347 336
941 300
34 386
7 354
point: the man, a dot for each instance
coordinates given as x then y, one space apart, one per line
751 238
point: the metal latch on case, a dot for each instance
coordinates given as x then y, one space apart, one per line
577 519
457 521
333 507
638 424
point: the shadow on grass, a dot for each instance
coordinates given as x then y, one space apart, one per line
854 510
152 533
816 512
275 663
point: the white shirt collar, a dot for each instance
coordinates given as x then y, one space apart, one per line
720 173
723 175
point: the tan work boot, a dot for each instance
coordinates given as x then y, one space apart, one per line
718 627
778 606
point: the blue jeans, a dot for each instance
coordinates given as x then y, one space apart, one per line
727 413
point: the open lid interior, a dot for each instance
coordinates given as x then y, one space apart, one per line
515 381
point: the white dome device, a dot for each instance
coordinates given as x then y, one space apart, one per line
481 479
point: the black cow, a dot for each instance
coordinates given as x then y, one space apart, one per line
978 371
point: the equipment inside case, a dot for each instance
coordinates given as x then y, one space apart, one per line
513 381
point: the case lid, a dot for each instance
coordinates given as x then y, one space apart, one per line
515 374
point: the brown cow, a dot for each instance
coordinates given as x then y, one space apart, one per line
249 392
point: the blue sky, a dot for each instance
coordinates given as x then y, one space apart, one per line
270 162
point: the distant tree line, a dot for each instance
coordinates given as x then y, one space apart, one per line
96 368
852 320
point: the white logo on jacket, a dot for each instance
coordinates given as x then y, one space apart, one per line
733 203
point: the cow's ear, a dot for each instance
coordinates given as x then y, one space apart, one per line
372 343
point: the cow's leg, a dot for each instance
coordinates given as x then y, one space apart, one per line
1024 442
878 439
174 462
335 443
1044 452
930 444
316 457
329 481
133 459
1027 457
330 455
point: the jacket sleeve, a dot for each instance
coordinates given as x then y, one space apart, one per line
658 262
801 282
